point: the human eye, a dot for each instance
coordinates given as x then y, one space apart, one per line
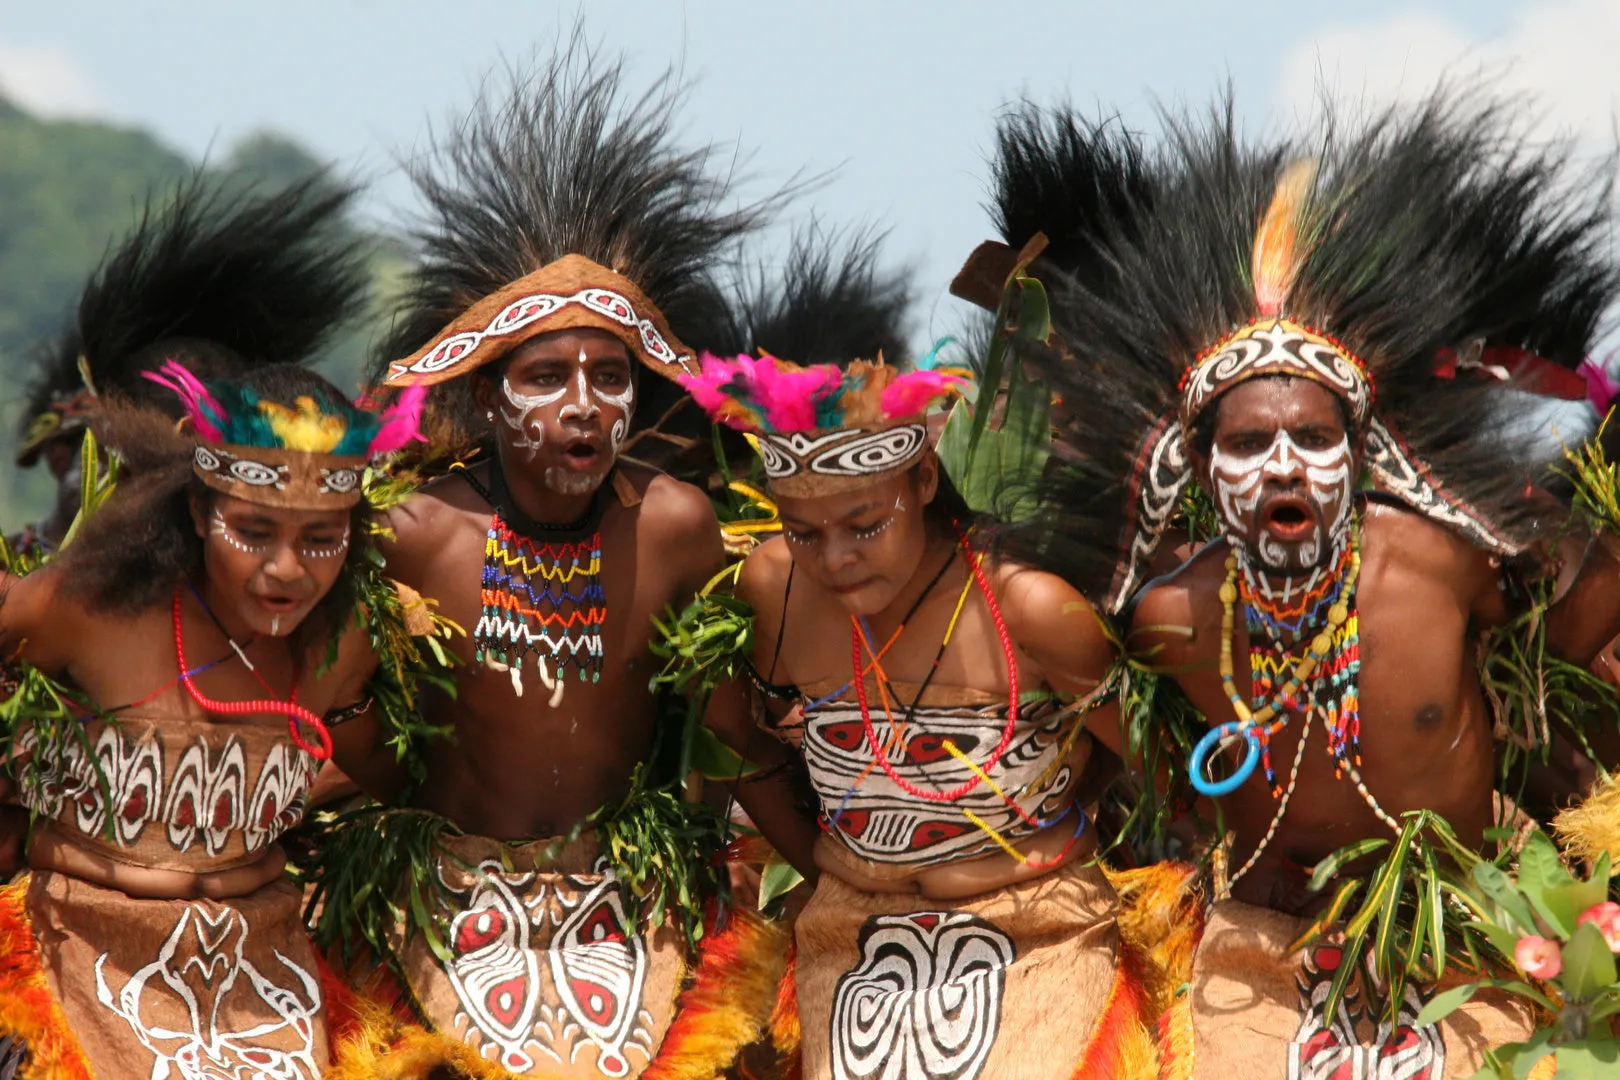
799 536
867 532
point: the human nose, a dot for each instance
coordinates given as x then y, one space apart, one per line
581 405
283 564
836 554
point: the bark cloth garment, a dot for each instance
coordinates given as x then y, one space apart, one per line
1253 1011
1028 982
549 975
100 984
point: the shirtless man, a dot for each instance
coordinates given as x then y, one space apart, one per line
1369 512
556 558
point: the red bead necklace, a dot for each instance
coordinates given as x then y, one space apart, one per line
293 711
1012 695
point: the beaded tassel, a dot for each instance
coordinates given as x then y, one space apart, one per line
557 622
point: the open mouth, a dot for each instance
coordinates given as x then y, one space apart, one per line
279 605
582 455
1288 520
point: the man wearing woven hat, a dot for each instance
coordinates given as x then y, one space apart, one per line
557 918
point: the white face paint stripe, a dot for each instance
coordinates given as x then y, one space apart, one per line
1238 481
517 418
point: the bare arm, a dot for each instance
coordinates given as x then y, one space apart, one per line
1052 622
770 797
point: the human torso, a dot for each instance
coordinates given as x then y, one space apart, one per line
1020 781
147 791
1425 730
517 766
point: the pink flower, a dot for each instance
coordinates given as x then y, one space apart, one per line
1606 917
1538 958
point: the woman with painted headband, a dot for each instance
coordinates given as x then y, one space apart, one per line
545 903
172 665
958 894
1335 406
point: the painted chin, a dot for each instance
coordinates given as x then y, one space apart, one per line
579 468
1289 534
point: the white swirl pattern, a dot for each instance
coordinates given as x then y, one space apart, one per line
528 310
924 1002
1278 349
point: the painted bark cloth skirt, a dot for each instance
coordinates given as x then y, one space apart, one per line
1255 1011
1025 983
550 976
95 983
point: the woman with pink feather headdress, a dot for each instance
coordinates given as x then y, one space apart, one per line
944 703
174 673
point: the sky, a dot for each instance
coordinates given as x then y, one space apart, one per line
899 98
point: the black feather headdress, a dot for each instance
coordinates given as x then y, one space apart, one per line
1387 248
563 162
217 280
831 303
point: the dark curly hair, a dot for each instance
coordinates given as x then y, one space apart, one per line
129 556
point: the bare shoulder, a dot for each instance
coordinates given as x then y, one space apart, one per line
764 575
1394 535
1170 611
1036 598
674 509
419 522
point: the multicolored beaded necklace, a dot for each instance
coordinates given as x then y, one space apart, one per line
541 593
1275 627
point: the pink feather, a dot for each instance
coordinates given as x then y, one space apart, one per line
788 396
913 392
198 401
708 389
400 423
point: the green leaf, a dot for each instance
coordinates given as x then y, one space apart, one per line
1588 964
1592 1059
1540 872
1530 1053
777 880
1331 865
1444 1004
715 760
1499 887
1570 902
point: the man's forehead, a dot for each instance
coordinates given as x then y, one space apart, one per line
571 345
1279 400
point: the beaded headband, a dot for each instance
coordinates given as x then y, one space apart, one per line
309 456
567 294
822 430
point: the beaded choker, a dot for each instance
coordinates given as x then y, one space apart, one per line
541 593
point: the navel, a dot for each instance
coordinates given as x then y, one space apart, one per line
1429 718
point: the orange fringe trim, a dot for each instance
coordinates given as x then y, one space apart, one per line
1121 1046
1161 918
28 1009
721 1011
784 1029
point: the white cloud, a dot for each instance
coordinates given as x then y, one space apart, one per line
48 81
1561 52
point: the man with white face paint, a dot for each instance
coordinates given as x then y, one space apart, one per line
1373 512
580 243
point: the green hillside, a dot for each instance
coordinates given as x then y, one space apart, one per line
68 191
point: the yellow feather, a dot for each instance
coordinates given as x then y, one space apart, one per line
1279 247
306 429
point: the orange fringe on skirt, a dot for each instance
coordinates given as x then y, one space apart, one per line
28 1009
722 1010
